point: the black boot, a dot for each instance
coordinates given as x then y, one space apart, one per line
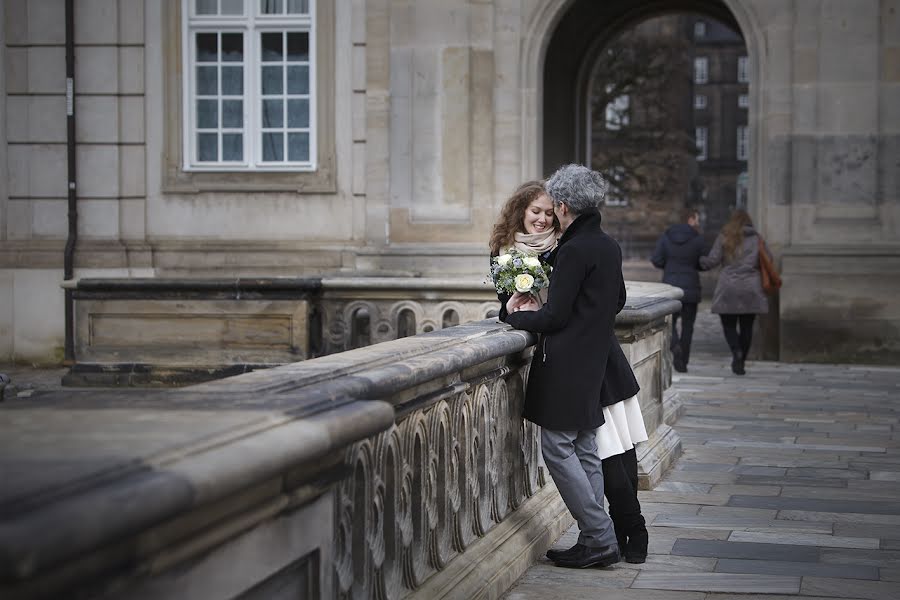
636 549
737 362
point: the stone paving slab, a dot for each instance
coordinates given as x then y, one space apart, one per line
771 567
808 457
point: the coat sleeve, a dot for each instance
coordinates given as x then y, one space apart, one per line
565 284
659 255
714 258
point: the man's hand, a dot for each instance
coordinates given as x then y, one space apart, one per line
520 301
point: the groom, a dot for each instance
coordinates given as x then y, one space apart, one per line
564 384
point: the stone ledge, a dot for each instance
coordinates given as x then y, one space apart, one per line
491 565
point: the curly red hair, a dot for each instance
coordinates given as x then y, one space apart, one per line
512 216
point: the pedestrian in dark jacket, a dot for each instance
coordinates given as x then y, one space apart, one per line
678 253
566 389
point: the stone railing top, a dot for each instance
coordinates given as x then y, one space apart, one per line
82 468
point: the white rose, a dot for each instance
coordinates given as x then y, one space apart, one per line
503 259
524 282
531 261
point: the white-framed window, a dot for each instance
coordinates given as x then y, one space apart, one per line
617 111
700 138
616 195
743 142
743 69
249 85
701 69
699 100
743 101
700 29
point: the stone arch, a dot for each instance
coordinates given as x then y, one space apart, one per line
541 27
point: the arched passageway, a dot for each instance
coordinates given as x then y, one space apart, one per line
575 71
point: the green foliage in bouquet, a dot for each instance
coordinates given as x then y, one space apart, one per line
517 271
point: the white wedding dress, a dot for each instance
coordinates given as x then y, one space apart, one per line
622 429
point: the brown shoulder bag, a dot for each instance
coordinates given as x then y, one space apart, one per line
770 279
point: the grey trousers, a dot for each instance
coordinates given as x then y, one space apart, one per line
576 469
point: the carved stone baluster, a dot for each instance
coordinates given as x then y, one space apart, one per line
441 444
481 458
416 455
501 450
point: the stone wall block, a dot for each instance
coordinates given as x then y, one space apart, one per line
98 218
16 65
132 219
131 70
46 70
456 141
97 171
131 22
890 22
133 176
358 110
890 65
889 174
48 218
848 109
97 119
38 326
17 119
46 22
47 171
847 169
18 219
96 70
96 20
131 119
15 16
7 279
358 21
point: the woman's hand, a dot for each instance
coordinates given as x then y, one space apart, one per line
520 301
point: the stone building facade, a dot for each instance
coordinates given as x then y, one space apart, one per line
419 119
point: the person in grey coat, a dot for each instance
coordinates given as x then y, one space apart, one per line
678 253
739 296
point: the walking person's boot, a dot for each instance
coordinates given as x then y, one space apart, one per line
678 362
737 362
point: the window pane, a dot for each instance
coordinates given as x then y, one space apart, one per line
207 81
232 146
206 7
298 45
233 81
271 7
207 114
273 146
298 6
207 147
232 7
298 113
207 47
298 80
232 113
233 47
298 147
273 113
272 47
271 80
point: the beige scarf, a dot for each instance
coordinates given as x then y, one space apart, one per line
537 243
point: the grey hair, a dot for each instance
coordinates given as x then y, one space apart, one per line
579 188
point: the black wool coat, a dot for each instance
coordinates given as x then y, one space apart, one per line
578 366
678 253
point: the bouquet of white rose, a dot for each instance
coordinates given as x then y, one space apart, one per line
517 271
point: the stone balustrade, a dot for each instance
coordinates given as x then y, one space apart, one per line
398 470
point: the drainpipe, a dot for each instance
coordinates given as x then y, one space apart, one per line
69 258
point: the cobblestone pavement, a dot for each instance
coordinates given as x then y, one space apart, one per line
789 487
